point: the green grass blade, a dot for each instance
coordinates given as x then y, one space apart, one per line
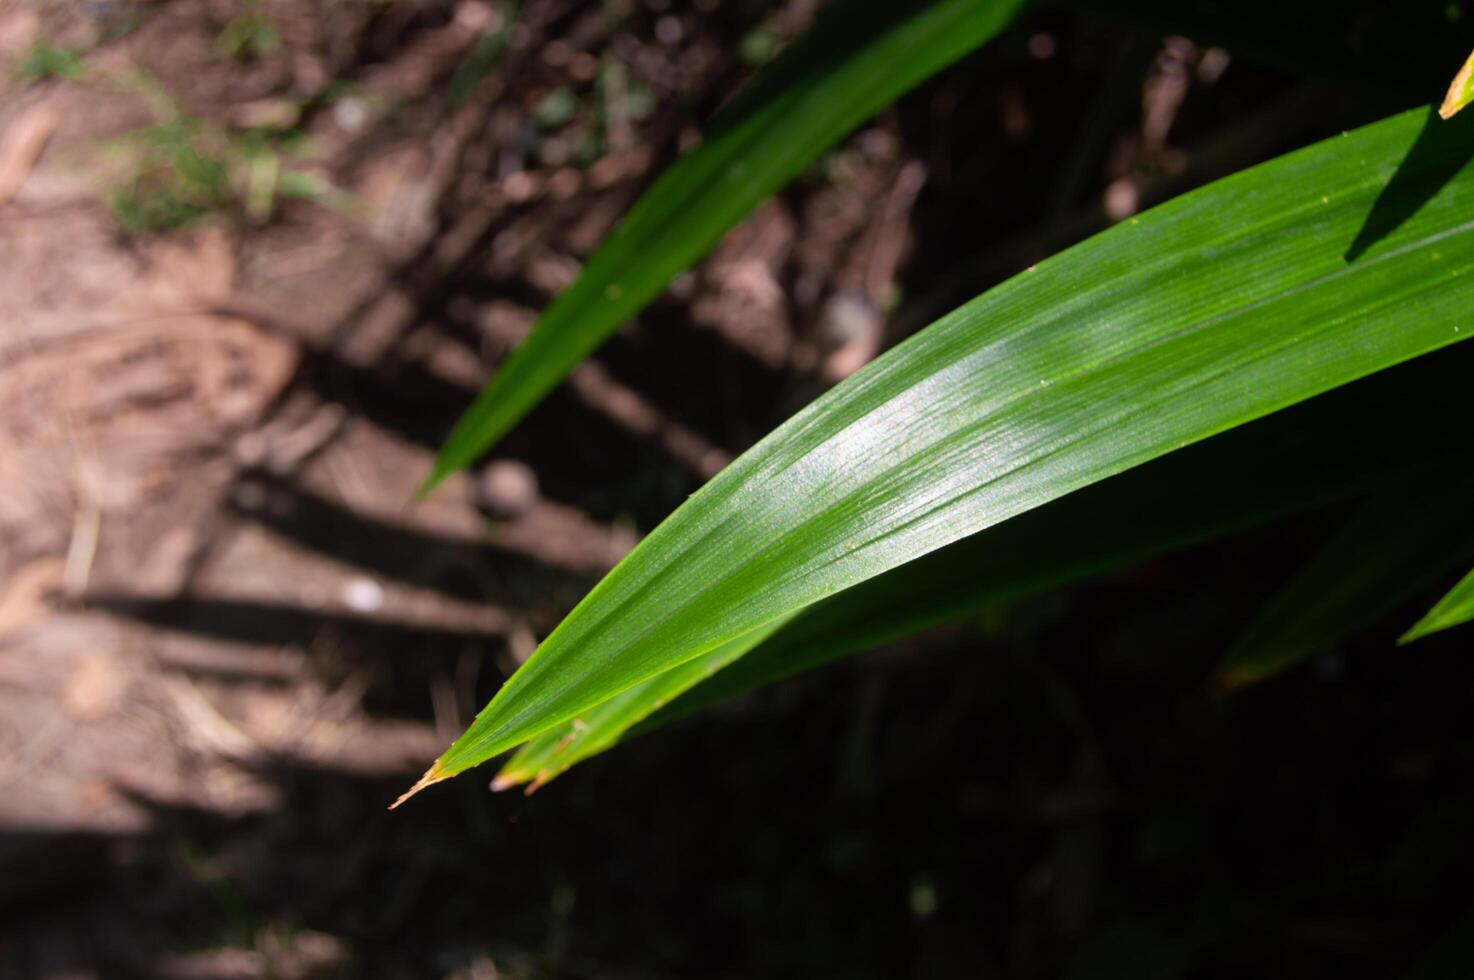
1452 610
1229 303
1402 541
859 57
1308 455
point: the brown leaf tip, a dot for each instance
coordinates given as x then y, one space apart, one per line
1458 91
432 776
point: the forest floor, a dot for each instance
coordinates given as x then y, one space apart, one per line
254 261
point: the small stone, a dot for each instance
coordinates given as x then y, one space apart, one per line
851 331
350 113
363 595
1122 199
508 488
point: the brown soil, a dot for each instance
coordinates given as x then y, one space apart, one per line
209 438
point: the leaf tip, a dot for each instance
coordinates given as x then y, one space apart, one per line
506 780
1460 91
1418 631
432 776
432 480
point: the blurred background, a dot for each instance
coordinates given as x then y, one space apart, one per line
255 257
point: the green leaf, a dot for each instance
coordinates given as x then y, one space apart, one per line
1460 91
1453 609
1217 308
858 57
1305 456
557 749
1400 542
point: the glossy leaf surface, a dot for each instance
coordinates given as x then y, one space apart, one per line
1306 456
1229 303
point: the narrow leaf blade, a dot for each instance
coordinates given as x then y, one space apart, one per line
859 57
1304 457
1452 610
1217 308
557 749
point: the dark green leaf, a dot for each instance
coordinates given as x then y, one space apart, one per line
1402 541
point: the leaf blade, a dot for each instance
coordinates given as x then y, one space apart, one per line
1454 609
1220 307
859 57
1304 457
558 749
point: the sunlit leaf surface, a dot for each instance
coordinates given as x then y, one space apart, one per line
1305 456
1227 304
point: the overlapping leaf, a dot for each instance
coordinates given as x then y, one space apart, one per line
1402 541
557 749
